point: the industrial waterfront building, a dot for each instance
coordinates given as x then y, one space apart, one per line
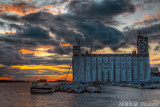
131 67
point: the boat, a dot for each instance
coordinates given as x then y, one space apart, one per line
121 84
76 88
147 86
152 86
142 86
129 84
93 89
135 84
41 89
114 84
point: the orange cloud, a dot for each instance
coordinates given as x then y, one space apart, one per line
146 16
69 0
39 52
104 51
41 67
51 77
24 51
4 78
156 15
52 11
7 32
21 9
1 65
155 60
65 44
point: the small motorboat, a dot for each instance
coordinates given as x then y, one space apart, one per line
41 89
122 84
148 86
142 86
135 84
129 84
92 89
114 84
152 86
77 88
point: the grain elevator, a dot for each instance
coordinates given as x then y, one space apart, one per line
131 67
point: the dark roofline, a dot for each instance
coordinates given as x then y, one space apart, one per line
103 55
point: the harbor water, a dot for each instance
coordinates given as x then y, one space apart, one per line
18 95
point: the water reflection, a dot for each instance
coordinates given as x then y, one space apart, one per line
18 95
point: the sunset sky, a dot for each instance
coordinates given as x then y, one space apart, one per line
36 36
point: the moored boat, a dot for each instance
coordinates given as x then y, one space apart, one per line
77 88
93 89
41 89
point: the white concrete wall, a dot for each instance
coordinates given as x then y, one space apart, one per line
99 59
88 69
123 69
75 68
129 69
114 68
147 70
117 69
94 69
106 68
82 69
111 70
141 68
135 69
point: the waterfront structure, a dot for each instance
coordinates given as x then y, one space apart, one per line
155 74
131 67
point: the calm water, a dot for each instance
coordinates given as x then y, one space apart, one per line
18 95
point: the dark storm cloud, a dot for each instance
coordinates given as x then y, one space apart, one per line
150 29
29 36
152 32
9 55
38 17
15 26
36 32
9 17
54 61
94 30
1 23
157 48
60 26
61 50
150 1
103 10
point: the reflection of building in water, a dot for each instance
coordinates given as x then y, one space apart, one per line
112 67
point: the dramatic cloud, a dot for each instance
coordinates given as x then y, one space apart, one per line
101 10
152 32
147 20
96 31
20 8
40 33
68 29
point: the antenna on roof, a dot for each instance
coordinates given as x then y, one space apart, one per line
91 46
